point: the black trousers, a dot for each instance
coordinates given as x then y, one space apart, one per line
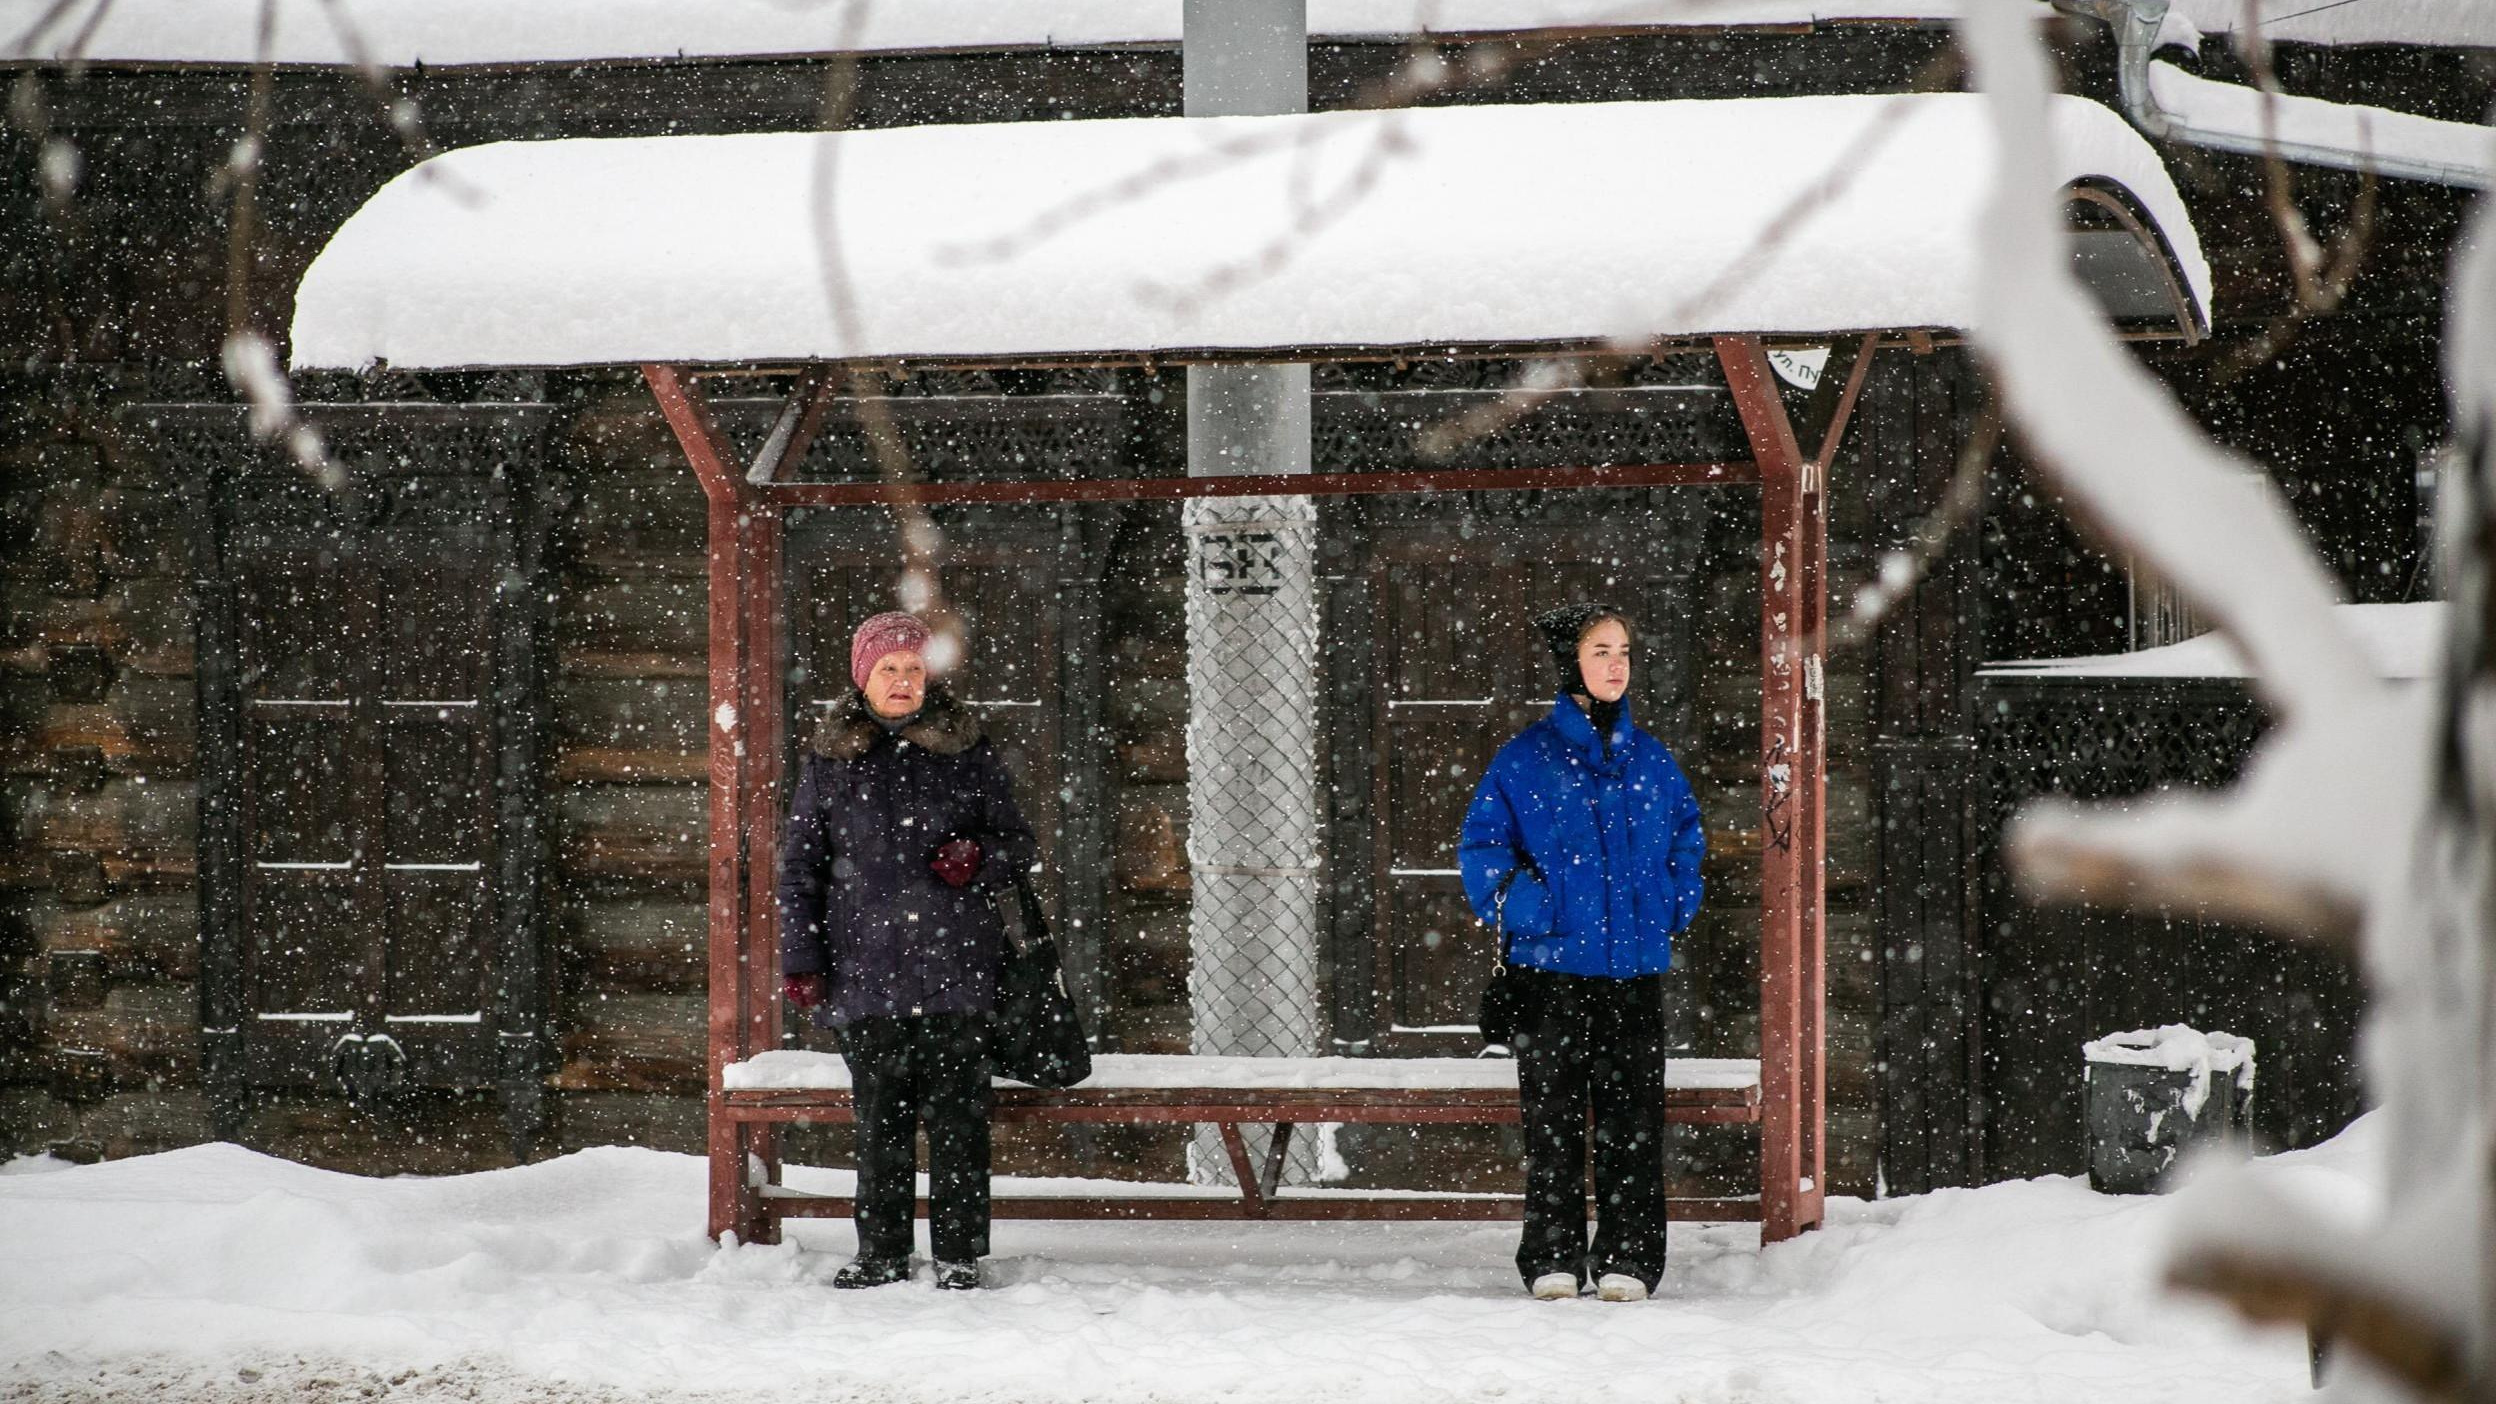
1588 1045
931 1070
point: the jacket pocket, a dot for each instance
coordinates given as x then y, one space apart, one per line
1530 910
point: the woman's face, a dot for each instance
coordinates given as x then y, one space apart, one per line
1603 660
897 684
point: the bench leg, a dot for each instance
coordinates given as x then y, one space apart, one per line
1275 1154
736 1203
1251 1189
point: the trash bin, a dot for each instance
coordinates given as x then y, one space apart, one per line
2152 1092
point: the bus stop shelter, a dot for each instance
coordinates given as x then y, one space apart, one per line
1525 231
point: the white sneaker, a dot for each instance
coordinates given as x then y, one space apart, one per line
1555 1287
1620 1287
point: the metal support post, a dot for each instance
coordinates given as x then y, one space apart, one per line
1252 638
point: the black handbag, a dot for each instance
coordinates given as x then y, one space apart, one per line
1503 996
1035 1037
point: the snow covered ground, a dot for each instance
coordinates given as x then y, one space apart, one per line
214 1273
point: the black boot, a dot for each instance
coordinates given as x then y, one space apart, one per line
872 1272
959 1277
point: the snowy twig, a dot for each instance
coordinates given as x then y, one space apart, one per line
1539 382
921 587
397 111
2096 420
250 362
251 367
1900 571
2305 254
2051 863
2318 282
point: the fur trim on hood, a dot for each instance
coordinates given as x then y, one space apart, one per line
943 726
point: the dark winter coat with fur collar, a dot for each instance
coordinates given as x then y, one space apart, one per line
858 901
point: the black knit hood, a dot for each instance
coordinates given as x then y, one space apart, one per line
1562 628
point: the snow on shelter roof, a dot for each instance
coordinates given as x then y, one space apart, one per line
441 33
1428 229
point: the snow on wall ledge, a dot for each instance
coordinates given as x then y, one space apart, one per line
1462 226
2405 642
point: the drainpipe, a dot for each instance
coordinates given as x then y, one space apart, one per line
2136 25
1252 848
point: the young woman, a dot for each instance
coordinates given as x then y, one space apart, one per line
902 826
1582 846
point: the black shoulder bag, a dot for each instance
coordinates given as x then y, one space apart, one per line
1503 997
1035 1037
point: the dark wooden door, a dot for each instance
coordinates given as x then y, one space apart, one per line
365 638
1458 669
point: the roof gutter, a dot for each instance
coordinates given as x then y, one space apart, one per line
2137 25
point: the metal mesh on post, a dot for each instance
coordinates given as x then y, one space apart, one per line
1252 739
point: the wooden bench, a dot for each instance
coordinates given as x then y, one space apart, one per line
1228 1093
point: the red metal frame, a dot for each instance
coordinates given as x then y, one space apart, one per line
746 724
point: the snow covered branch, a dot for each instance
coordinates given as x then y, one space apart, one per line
2352 817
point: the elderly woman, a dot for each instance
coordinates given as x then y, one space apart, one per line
1582 847
902 828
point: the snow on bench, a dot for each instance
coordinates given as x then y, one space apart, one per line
793 1069
792 1085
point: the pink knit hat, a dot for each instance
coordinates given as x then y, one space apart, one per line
890 632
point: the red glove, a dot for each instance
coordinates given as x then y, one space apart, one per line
957 862
802 991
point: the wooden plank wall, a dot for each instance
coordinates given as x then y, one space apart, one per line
98 922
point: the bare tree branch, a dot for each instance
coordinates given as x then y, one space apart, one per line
1900 571
2052 868
2319 279
248 357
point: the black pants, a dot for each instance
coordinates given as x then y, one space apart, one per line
1587 1044
929 1069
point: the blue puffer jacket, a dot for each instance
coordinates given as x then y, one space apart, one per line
1604 842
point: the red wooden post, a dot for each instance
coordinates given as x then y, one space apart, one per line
744 730
1793 537
1811 806
759 749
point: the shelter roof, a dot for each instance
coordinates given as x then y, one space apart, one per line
1425 230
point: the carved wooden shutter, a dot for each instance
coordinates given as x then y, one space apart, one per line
368 795
370 698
